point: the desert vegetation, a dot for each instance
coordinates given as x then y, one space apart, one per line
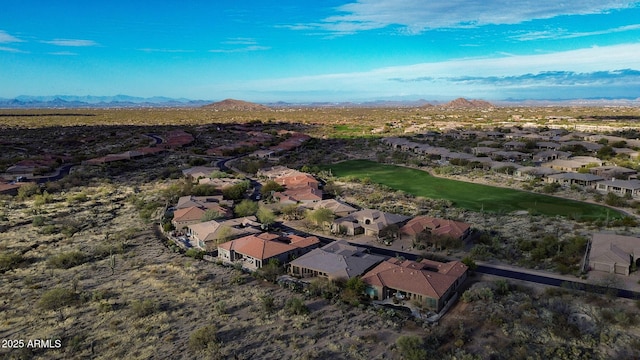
84 261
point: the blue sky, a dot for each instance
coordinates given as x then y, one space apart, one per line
300 51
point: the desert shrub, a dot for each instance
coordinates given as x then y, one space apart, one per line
268 304
77 198
481 293
57 298
203 338
195 253
144 308
270 271
38 220
67 260
44 198
411 347
9 261
48 230
295 306
28 190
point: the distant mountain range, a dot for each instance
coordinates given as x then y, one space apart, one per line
117 101
124 101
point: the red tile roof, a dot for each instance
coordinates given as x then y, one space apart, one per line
441 227
423 278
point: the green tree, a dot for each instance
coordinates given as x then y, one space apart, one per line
471 264
235 192
606 152
265 216
291 212
270 186
320 216
246 208
211 214
204 190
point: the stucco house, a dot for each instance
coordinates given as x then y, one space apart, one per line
427 282
613 172
620 187
337 260
613 253
187 216
208 234
338 208
568 179
367 221
215 203
255 251
573 164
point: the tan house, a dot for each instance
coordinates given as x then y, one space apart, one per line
615 254
367 221
427 282
206 235
620 187
568 179
613 172
254 251
338 208
215 203
573 164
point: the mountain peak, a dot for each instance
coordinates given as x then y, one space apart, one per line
468 104
235 105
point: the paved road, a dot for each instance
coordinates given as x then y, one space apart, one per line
546 280
495 270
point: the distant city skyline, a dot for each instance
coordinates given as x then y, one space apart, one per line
303 51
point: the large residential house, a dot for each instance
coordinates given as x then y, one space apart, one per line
527 173
187 216
620 187
615 254
339 208
367 221
613 172
427 282
437 227
573 164
209 233
255 251
568 179
215 203
337 260
299 187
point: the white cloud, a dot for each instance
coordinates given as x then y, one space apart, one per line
71 42
151 50
8 38
241 49
415 16
12 50
63 53
564 34
448 77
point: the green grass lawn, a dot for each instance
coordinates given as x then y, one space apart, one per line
469 196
